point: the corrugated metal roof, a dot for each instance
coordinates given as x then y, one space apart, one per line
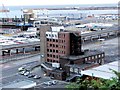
103 71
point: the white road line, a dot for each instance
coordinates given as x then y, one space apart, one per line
9 76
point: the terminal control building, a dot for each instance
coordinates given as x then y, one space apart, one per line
65 47
62 43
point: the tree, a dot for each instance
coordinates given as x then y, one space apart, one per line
73 86
99 84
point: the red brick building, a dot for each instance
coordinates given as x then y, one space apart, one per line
64 47
62 43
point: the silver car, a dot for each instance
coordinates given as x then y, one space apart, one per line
26 73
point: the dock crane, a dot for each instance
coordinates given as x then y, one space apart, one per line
5 10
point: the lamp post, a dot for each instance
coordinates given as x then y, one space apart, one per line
92 75
41 56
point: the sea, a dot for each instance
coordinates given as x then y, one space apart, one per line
16 11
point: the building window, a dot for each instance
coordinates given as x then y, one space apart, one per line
50 45
64 35
89 58
92 57
53 50
56 45
54 56
56 40
50 50
47 50
102 55
53 40
96 56
50 55
56 51
52 35
86 59
47 39
99 56
102 60
53 45
55 35
46 34
47 60
49 35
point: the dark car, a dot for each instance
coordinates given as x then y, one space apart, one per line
31 75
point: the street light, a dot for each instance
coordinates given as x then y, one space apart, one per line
41 56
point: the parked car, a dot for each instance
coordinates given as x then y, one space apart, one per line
22 72
37 77
21 68
31 75
54 82
49 83
26 73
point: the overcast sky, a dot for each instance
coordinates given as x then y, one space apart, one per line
54 2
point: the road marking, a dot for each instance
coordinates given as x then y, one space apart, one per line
4 66
9 76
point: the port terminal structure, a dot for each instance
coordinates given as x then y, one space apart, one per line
100 34
85 37
6 50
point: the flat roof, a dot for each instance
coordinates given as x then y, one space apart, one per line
86 54
103 71
81 66
10 40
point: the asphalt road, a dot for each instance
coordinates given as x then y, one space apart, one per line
9 71
110 47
